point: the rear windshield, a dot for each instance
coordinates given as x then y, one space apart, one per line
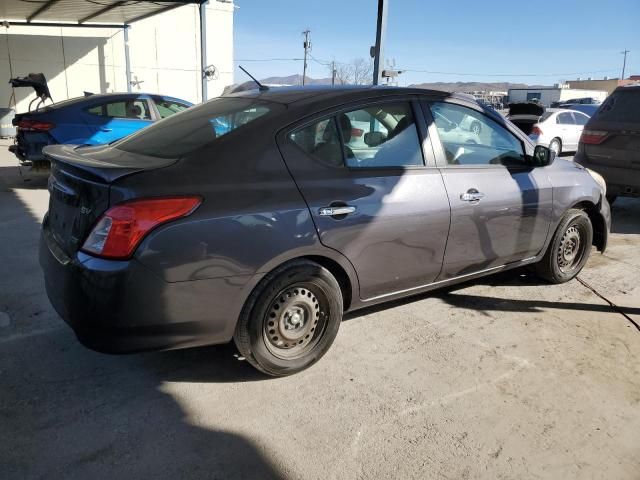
621 106
194 128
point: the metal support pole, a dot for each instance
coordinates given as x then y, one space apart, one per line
624 62
203 49
127 59
378 49
307 47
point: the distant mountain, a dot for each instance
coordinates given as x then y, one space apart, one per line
471 86
444 86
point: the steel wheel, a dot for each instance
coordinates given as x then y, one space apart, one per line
290 319
295 321
571 249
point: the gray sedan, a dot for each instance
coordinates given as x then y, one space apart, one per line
251 218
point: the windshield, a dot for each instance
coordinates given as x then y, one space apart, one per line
194 128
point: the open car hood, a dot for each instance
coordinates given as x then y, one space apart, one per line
526 108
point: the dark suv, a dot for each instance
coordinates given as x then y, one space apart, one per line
258 216
610 143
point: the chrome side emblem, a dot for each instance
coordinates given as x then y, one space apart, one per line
85 210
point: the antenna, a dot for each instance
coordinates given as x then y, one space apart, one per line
261 87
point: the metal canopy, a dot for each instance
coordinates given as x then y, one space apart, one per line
84 13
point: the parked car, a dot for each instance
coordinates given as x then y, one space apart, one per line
180 235
88 120
559 130
581 101
525 115
588 110
610 142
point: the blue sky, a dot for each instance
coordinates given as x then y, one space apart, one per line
496 40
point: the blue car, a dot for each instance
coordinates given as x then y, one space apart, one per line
89 120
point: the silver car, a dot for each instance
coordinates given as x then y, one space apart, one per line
559 130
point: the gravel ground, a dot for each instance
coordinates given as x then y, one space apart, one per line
504 377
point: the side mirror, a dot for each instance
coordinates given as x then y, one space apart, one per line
543 156
373 139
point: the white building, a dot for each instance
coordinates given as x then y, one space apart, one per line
164 56
548 95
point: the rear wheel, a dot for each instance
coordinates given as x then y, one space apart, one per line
555 145
291 319
569 249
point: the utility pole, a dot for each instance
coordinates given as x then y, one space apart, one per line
377 50
624 62
307 47
333 73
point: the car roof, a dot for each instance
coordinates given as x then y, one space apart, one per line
293 94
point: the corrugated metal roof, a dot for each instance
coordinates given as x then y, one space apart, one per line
85 12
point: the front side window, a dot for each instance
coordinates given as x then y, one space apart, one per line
197 127
470 138
132 109
580 118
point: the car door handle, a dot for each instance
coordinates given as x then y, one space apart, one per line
102 129
334 211
472 195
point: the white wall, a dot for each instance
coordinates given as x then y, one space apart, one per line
164 52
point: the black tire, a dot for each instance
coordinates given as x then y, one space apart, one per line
559 142
565 257
301 296
611 199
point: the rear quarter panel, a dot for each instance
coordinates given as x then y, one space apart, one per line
251 220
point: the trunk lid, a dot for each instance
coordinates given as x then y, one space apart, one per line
526 108
79 187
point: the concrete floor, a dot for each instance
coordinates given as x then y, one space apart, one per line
505 377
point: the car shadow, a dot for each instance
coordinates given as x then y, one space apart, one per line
521 277
625 216
68 412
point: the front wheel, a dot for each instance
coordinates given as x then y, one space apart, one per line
291 319
569 249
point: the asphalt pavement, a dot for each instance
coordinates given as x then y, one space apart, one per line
501 378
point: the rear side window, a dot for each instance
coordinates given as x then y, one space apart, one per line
621 106
166 108
377 136
565 119
194 128
320 140
132 109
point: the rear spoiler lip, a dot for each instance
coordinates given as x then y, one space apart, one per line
101 171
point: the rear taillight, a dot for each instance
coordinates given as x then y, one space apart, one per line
536 131
356 132
35 125
120 230
593 137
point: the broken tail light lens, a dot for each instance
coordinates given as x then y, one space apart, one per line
119 231
593 137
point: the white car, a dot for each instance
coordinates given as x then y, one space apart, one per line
559 130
